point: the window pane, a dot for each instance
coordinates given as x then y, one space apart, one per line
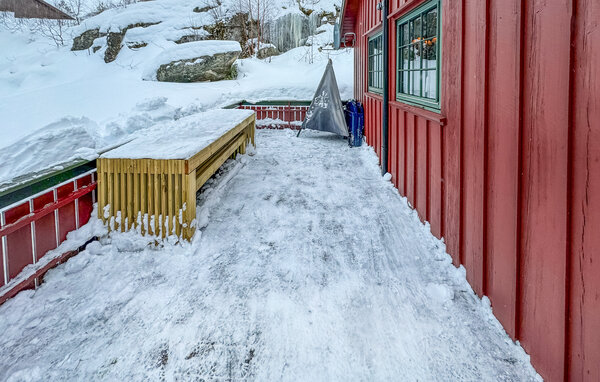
415 83
404 88
430 47
430 84
417 28
405 36
402 59
430 23
412 56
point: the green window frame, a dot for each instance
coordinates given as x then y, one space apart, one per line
375 63
418 50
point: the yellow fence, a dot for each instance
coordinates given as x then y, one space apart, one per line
158 196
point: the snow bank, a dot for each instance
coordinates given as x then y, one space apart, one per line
183 138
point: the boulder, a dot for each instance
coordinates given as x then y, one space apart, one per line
207 60
114 42
205 68
86 39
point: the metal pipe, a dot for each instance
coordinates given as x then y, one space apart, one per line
385 103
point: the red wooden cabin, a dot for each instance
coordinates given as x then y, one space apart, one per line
494 137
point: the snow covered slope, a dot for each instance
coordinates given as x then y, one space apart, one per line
58 105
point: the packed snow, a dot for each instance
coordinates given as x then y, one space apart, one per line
308 266
183 138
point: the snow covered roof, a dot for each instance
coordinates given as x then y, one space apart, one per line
33 9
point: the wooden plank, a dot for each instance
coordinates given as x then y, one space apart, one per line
393 131
123 190
117 189
101 185
584 309
190 207
157 194
163 197
136 212
402 153
178 204
129 177
170 191
142 166
543 244
503 160
474 129
452 27
196 160
205 173
435 179
410 159
422 170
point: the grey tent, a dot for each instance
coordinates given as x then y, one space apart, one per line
325 112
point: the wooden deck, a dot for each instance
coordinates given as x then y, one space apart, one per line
158 196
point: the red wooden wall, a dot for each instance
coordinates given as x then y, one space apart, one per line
508 173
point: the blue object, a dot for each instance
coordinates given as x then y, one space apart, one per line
355 119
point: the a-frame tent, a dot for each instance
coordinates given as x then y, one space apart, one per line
326 112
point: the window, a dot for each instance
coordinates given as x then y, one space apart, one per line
376 64
418 59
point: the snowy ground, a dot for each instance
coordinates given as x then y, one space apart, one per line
309 267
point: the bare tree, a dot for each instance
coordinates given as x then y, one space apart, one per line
259 12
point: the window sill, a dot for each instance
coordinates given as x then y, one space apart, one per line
429 115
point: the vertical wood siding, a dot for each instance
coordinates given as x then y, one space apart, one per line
509 172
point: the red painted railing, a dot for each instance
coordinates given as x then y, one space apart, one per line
37 224
278 116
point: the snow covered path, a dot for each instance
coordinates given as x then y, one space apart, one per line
310 267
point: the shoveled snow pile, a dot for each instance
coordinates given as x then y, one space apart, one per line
309 267
188 51
183 138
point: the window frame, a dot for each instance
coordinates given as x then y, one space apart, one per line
370 87
426 103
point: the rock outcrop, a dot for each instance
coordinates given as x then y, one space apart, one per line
205 68
86 39
114 40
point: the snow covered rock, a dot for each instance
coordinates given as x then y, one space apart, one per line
86 39
267 51
114 39
210 60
